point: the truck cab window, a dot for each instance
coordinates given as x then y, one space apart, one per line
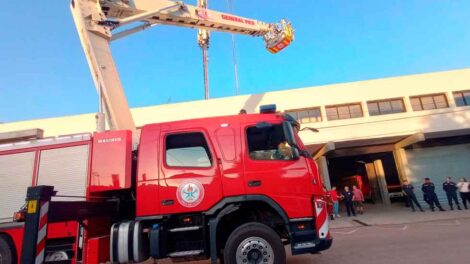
187 150
268 143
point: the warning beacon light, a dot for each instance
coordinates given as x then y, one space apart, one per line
267 109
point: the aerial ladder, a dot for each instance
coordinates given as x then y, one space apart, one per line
203 37
99 22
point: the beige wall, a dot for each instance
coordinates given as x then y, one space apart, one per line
338 130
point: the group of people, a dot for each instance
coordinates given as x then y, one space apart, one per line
353 200
429 194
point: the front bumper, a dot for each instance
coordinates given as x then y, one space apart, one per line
324 244
311 235
312 247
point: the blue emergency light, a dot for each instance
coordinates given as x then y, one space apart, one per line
266 109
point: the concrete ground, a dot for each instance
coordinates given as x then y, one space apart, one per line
394 235
395 214
434 242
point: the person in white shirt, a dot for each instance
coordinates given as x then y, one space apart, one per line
464 190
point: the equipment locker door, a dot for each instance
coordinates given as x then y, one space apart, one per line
66 169
190 179
16 174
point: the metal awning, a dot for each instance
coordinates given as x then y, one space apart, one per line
448 133
364 146
35 133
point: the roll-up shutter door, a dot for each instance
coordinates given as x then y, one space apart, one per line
437 163
66 169
16 174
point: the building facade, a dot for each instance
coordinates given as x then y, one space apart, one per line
382 131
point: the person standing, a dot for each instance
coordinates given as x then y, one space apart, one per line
429 194
464 191
329 202
450 188
408 189
334 198
348 201
358 200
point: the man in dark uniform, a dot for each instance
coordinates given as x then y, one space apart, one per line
348 201
450 188
410 196
429 194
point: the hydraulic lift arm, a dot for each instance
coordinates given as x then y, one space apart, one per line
97 22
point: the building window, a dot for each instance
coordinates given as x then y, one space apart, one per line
385 107
187 150
428 102
335 112
462 98
268 143
310 115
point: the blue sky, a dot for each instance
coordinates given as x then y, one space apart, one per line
43 72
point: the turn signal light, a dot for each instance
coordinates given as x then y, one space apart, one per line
19 216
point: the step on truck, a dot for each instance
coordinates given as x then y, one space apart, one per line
235 188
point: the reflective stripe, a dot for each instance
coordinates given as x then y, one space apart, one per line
44 209
42 234
322 222
40 257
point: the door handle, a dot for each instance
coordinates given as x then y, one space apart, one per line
168 202
255 183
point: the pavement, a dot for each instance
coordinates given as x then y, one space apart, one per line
432 242
395 214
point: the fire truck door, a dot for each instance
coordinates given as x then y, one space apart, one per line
190 179
270 169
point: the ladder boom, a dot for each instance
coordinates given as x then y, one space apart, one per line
96 20
95 43
276 35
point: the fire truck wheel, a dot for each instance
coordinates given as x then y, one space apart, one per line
7 253
254 243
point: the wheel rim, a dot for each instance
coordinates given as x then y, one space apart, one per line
56 256
255 250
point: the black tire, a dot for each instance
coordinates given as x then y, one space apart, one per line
250 231
7 250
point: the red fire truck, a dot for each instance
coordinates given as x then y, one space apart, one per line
217 187
234 188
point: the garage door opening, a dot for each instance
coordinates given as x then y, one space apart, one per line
376 174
